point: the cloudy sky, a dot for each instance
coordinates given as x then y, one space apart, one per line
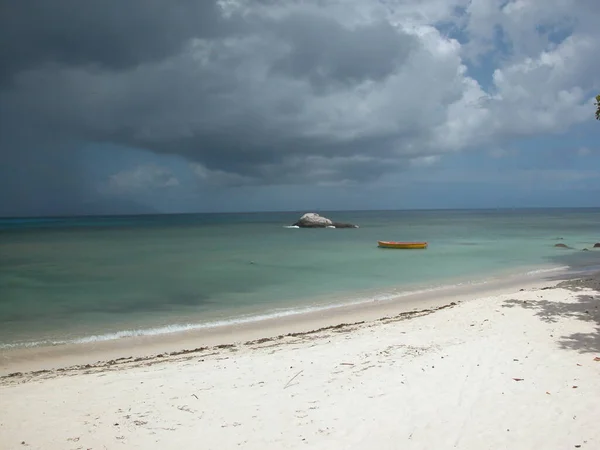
111 106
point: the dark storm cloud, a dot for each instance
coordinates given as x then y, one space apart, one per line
111 34
45 180
258 93
40 131
298 161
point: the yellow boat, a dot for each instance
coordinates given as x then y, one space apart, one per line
403 245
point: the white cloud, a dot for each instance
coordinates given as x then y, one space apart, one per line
501 152
549 92
538 86
584 151
425 161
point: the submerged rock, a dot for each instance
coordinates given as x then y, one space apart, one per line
344 225
561 246
314 220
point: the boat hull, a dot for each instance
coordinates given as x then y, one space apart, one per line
402 245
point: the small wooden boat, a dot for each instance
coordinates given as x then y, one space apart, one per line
402 245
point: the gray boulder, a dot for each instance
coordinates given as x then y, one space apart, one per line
314 220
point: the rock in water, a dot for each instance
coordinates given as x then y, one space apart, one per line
313 220
561 246
597 245
344 225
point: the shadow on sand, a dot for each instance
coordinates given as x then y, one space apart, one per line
586 309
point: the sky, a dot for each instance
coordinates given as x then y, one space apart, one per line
155 106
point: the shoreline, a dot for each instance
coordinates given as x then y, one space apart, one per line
323 303
75 356
513 366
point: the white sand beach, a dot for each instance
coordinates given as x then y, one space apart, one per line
513 370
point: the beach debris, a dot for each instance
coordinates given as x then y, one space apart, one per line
548 393
597 358
346 364
225 346
518 379
574 387
194 395
292 379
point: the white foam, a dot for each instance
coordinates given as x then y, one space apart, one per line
291 226
275 314
547 270
338 302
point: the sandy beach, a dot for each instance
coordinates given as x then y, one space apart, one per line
516 368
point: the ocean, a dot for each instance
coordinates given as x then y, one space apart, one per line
84 279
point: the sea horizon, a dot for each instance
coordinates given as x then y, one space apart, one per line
300 211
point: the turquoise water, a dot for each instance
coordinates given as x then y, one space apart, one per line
80 279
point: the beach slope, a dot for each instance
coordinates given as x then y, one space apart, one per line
512 371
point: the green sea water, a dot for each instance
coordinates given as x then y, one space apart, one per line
85 279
